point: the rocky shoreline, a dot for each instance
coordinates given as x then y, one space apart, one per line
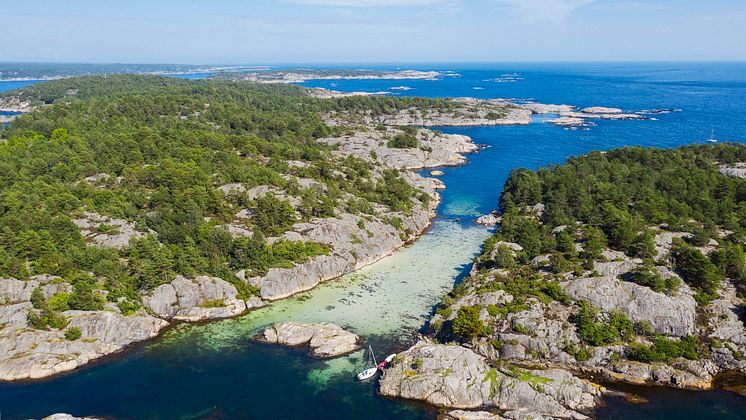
27 353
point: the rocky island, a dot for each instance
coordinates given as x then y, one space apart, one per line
592 275
302 75
324 340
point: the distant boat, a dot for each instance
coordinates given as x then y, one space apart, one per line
712 138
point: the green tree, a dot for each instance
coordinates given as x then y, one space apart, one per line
467 324
697 270
272 215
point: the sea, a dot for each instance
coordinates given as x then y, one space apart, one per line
216 371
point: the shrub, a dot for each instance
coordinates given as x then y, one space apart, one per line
59 302
213 303
84 296
272 215
664 349
599 333
697 270
44 319
648 275
493 310
73 333
582 355
403 141
558 263
504 257
127 307
467 324
37 298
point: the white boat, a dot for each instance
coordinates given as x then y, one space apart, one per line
712 138
367 373
371 367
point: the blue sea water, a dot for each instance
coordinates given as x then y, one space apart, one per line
204 372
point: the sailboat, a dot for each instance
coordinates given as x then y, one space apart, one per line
712 138
371 367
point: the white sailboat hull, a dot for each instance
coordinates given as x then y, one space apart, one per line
367 374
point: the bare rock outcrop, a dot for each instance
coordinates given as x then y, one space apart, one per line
195 299
488 219
107 232
737 170
28 353
353 247
435 149
456 377
324 340
464 112
673 315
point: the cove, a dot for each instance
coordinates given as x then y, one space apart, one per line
216 371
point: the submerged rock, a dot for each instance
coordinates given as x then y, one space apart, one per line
324 340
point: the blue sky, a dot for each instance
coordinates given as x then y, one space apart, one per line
327 31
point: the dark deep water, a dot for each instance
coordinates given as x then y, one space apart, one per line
216 371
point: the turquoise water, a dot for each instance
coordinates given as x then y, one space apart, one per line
216 371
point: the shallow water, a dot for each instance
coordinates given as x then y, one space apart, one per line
216 371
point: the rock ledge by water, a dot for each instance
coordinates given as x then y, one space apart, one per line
324 340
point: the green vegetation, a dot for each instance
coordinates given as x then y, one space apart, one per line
596 332
45 319
405 140
522 284
617 196
664 349
73 333
166 145
467 324
697 270
648 275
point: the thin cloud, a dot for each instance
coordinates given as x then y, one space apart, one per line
543 11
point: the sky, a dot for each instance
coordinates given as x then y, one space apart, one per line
370 31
